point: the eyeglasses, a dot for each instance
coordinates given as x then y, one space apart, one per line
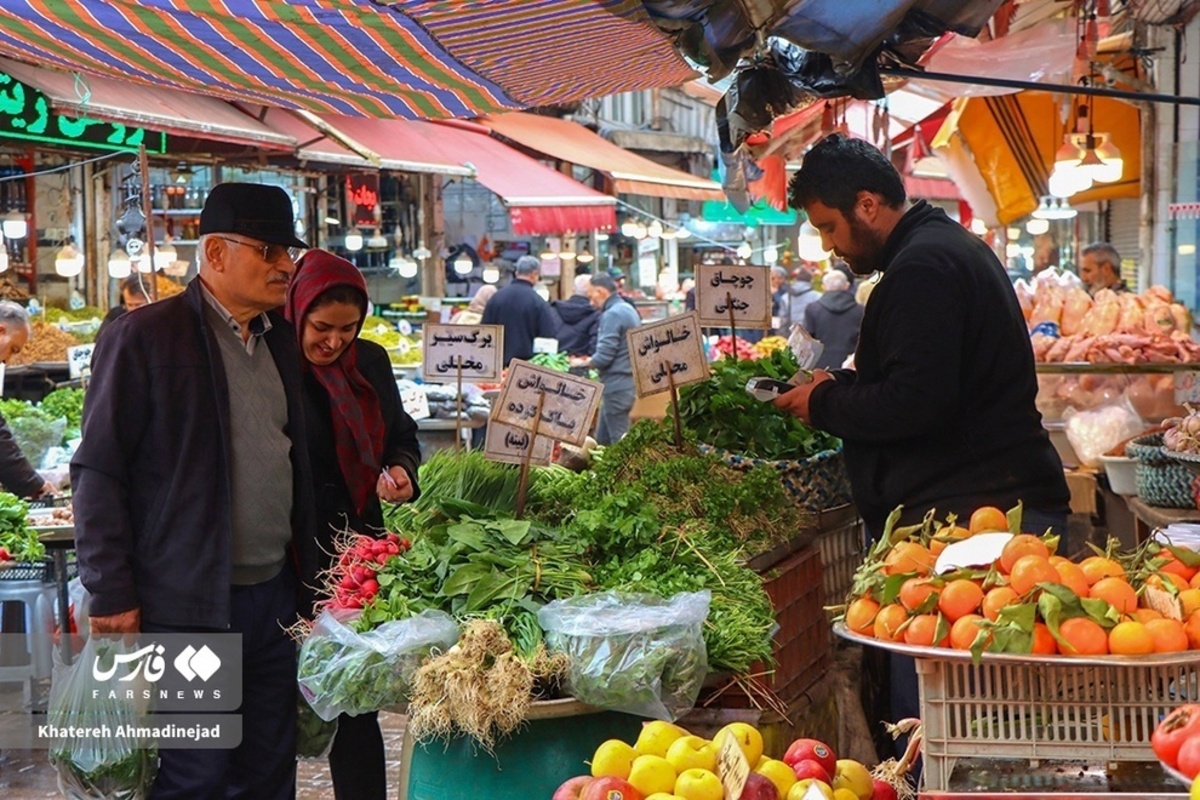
271 253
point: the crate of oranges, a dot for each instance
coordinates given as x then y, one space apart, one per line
1024 654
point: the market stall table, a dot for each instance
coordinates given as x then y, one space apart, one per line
1148 518
58 542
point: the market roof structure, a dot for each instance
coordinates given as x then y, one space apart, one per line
416 59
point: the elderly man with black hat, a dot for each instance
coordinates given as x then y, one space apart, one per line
192 490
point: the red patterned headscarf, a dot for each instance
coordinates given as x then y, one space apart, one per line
358 428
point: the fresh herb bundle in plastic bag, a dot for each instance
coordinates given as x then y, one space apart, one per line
632 652
105 767
345 672
314 736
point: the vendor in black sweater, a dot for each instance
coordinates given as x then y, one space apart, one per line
939 412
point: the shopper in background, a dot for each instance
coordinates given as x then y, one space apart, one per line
133 295
779 278
1100 268
17 475
578 321
939 412
834 320
192 482
473 313
363 449
611 359
524 315
799 296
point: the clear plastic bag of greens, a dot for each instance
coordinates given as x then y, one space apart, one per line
635 653
342 671
106 765
314 736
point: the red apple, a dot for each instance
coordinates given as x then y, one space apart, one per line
758 787
811 769
883 791
610 789
811 750
572 788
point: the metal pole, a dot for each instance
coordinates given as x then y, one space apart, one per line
1094 91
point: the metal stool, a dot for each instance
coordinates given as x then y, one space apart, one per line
38 598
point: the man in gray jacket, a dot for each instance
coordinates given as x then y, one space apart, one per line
611 358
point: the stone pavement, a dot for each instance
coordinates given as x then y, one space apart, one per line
27 775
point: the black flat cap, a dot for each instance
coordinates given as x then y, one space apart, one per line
251 209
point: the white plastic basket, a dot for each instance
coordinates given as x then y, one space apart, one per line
1034 708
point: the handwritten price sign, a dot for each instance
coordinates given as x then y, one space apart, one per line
508 445
745 289
671 350
568 403
479 347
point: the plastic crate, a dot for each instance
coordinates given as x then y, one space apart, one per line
28 571
1010 708
843 548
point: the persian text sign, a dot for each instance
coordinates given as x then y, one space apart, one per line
568 403
509 445
665 351
479 347
744 289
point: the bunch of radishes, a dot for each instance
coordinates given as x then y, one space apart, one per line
352 580
1183 433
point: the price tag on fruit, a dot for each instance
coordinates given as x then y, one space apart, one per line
732 767
479 349
671 350
744 291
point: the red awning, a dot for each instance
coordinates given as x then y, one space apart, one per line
931 189
630 173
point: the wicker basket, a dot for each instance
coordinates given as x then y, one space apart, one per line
1161 481
817 483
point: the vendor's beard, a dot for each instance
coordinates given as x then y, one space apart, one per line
868 255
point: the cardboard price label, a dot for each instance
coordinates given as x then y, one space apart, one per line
79 360
745 289
568 403
732 767
665 351
508 445
416 403
480 348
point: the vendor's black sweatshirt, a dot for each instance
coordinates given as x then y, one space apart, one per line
940 410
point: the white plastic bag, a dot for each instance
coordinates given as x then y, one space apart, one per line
344 672
1093 433
806 349
99 767
631 652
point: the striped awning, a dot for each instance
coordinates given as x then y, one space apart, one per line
416 59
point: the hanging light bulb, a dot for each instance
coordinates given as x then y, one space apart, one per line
566 255
68 262
1066 181
808 245
1012 250
640 231
1037 226
744 251
1113 167
1013 233
491 274
771 254
1069 154
978 226
377 242
406 268
655 229
14 225
164 255
142 263
629 228
353 242
1043 211
682 233
585 257
1064 211
668 234
463 264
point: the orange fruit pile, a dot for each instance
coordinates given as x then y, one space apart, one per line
1029 599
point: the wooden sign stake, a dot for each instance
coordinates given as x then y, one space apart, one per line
732 329
523 483
675 407
458 411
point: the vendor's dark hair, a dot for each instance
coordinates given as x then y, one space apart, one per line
341 293
837 168
135 284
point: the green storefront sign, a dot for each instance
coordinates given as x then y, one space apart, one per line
25 114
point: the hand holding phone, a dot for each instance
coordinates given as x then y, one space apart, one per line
767 389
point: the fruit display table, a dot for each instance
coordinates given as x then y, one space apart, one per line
1028 726
1148 518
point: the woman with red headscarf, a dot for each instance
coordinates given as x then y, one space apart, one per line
363 448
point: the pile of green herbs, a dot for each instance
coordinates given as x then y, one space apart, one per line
65 404
721 413
16 537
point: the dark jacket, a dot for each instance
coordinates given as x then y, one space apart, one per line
17 475
524 315
334 509
834 321
153 517
578 322
940 412
114 314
